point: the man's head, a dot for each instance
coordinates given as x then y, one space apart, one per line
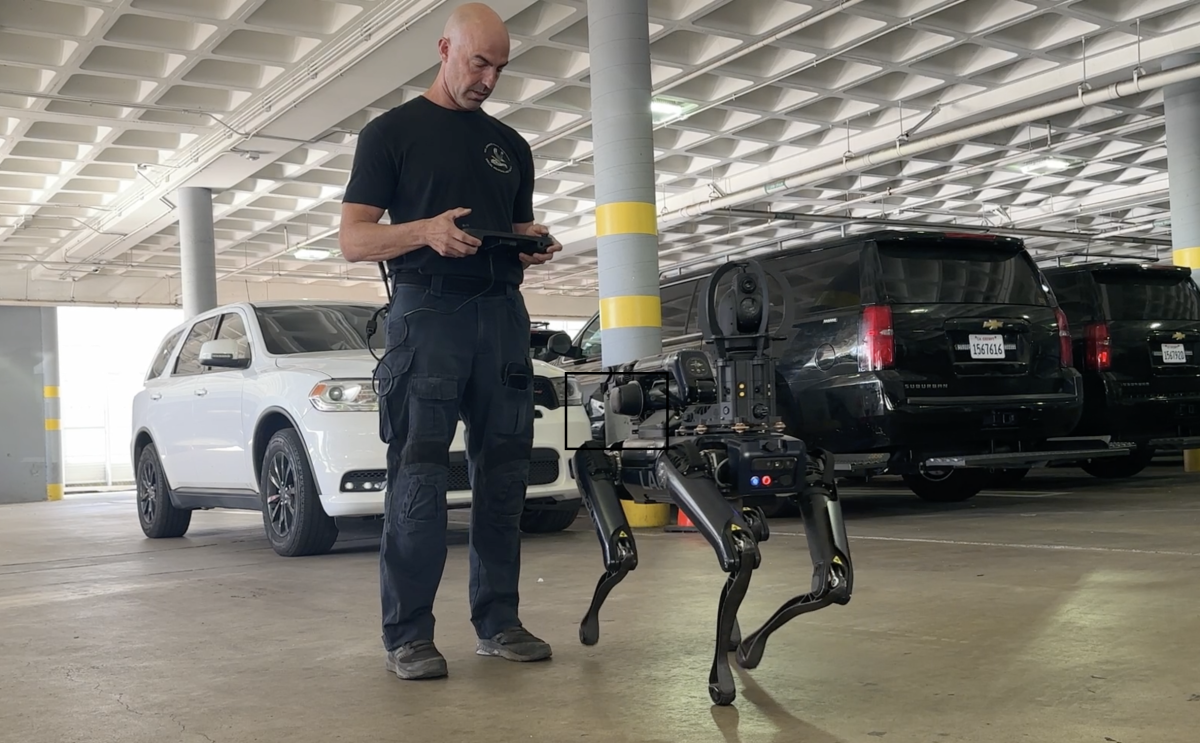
474 49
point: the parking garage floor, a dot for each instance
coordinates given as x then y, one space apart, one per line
1065 610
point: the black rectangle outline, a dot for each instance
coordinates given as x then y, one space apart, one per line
566 418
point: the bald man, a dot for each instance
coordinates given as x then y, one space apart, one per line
457 340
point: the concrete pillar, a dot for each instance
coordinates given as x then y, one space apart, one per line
26 472
53 409
197 250
626 218
1182 107
626 214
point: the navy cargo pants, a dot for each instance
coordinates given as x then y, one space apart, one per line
450 356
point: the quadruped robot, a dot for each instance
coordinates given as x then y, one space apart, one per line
708 438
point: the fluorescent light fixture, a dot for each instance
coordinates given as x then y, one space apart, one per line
1045 165
311 254
665 108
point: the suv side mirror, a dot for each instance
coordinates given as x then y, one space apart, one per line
224 353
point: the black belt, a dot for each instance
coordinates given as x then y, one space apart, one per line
455 284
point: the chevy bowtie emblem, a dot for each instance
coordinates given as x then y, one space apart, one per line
993 324
1179 336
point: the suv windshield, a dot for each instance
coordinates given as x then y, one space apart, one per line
317 328
1145 296
964 272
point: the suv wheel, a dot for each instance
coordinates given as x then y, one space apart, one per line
295 522
549 520
946 485
159 517
1119 468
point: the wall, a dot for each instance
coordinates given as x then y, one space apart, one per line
22 408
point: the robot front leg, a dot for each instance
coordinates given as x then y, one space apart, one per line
833 573
597 475
733 538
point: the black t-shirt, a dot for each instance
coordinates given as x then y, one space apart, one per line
419 160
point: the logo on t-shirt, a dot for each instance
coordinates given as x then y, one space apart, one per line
497 158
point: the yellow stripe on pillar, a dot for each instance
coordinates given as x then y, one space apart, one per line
1189 257
631 311
53 424
49 392
54 491
626 218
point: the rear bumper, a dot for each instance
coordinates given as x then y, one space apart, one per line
1126 412
866 418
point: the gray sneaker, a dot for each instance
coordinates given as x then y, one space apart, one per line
515 643
417 660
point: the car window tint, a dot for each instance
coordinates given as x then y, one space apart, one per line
163 355
234 329
1146 296
680 313
817 281
189 355
1073 292
292 329
958 272
589 339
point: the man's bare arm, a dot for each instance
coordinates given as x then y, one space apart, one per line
362 238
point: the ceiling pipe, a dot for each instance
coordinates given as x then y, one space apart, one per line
886 155
943 227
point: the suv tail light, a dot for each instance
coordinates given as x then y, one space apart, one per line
877 340
1099 347
1066 355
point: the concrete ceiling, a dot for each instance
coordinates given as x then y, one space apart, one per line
108 106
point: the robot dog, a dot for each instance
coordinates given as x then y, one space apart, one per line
708 439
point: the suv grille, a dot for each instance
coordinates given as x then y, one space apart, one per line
544 468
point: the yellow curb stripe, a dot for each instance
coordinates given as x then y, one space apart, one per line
54 491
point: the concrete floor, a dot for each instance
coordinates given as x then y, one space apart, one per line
1065 611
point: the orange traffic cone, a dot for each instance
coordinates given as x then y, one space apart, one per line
682 522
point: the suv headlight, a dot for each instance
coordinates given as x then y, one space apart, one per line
567 390
344 395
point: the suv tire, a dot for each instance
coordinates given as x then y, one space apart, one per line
159 517
1119 468
549 520
957 486
293 517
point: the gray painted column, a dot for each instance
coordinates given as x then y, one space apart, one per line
53 408
1182 107
197 250
623 155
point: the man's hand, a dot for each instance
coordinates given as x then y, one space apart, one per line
536 259
446 238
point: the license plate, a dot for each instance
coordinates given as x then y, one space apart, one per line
1173 353
987 346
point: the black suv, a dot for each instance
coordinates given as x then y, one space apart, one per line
1136 335
941 357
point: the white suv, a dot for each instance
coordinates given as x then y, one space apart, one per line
270 406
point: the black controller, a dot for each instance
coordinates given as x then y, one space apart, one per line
493 240
708 439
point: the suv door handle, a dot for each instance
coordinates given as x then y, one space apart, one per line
155 395
201 393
